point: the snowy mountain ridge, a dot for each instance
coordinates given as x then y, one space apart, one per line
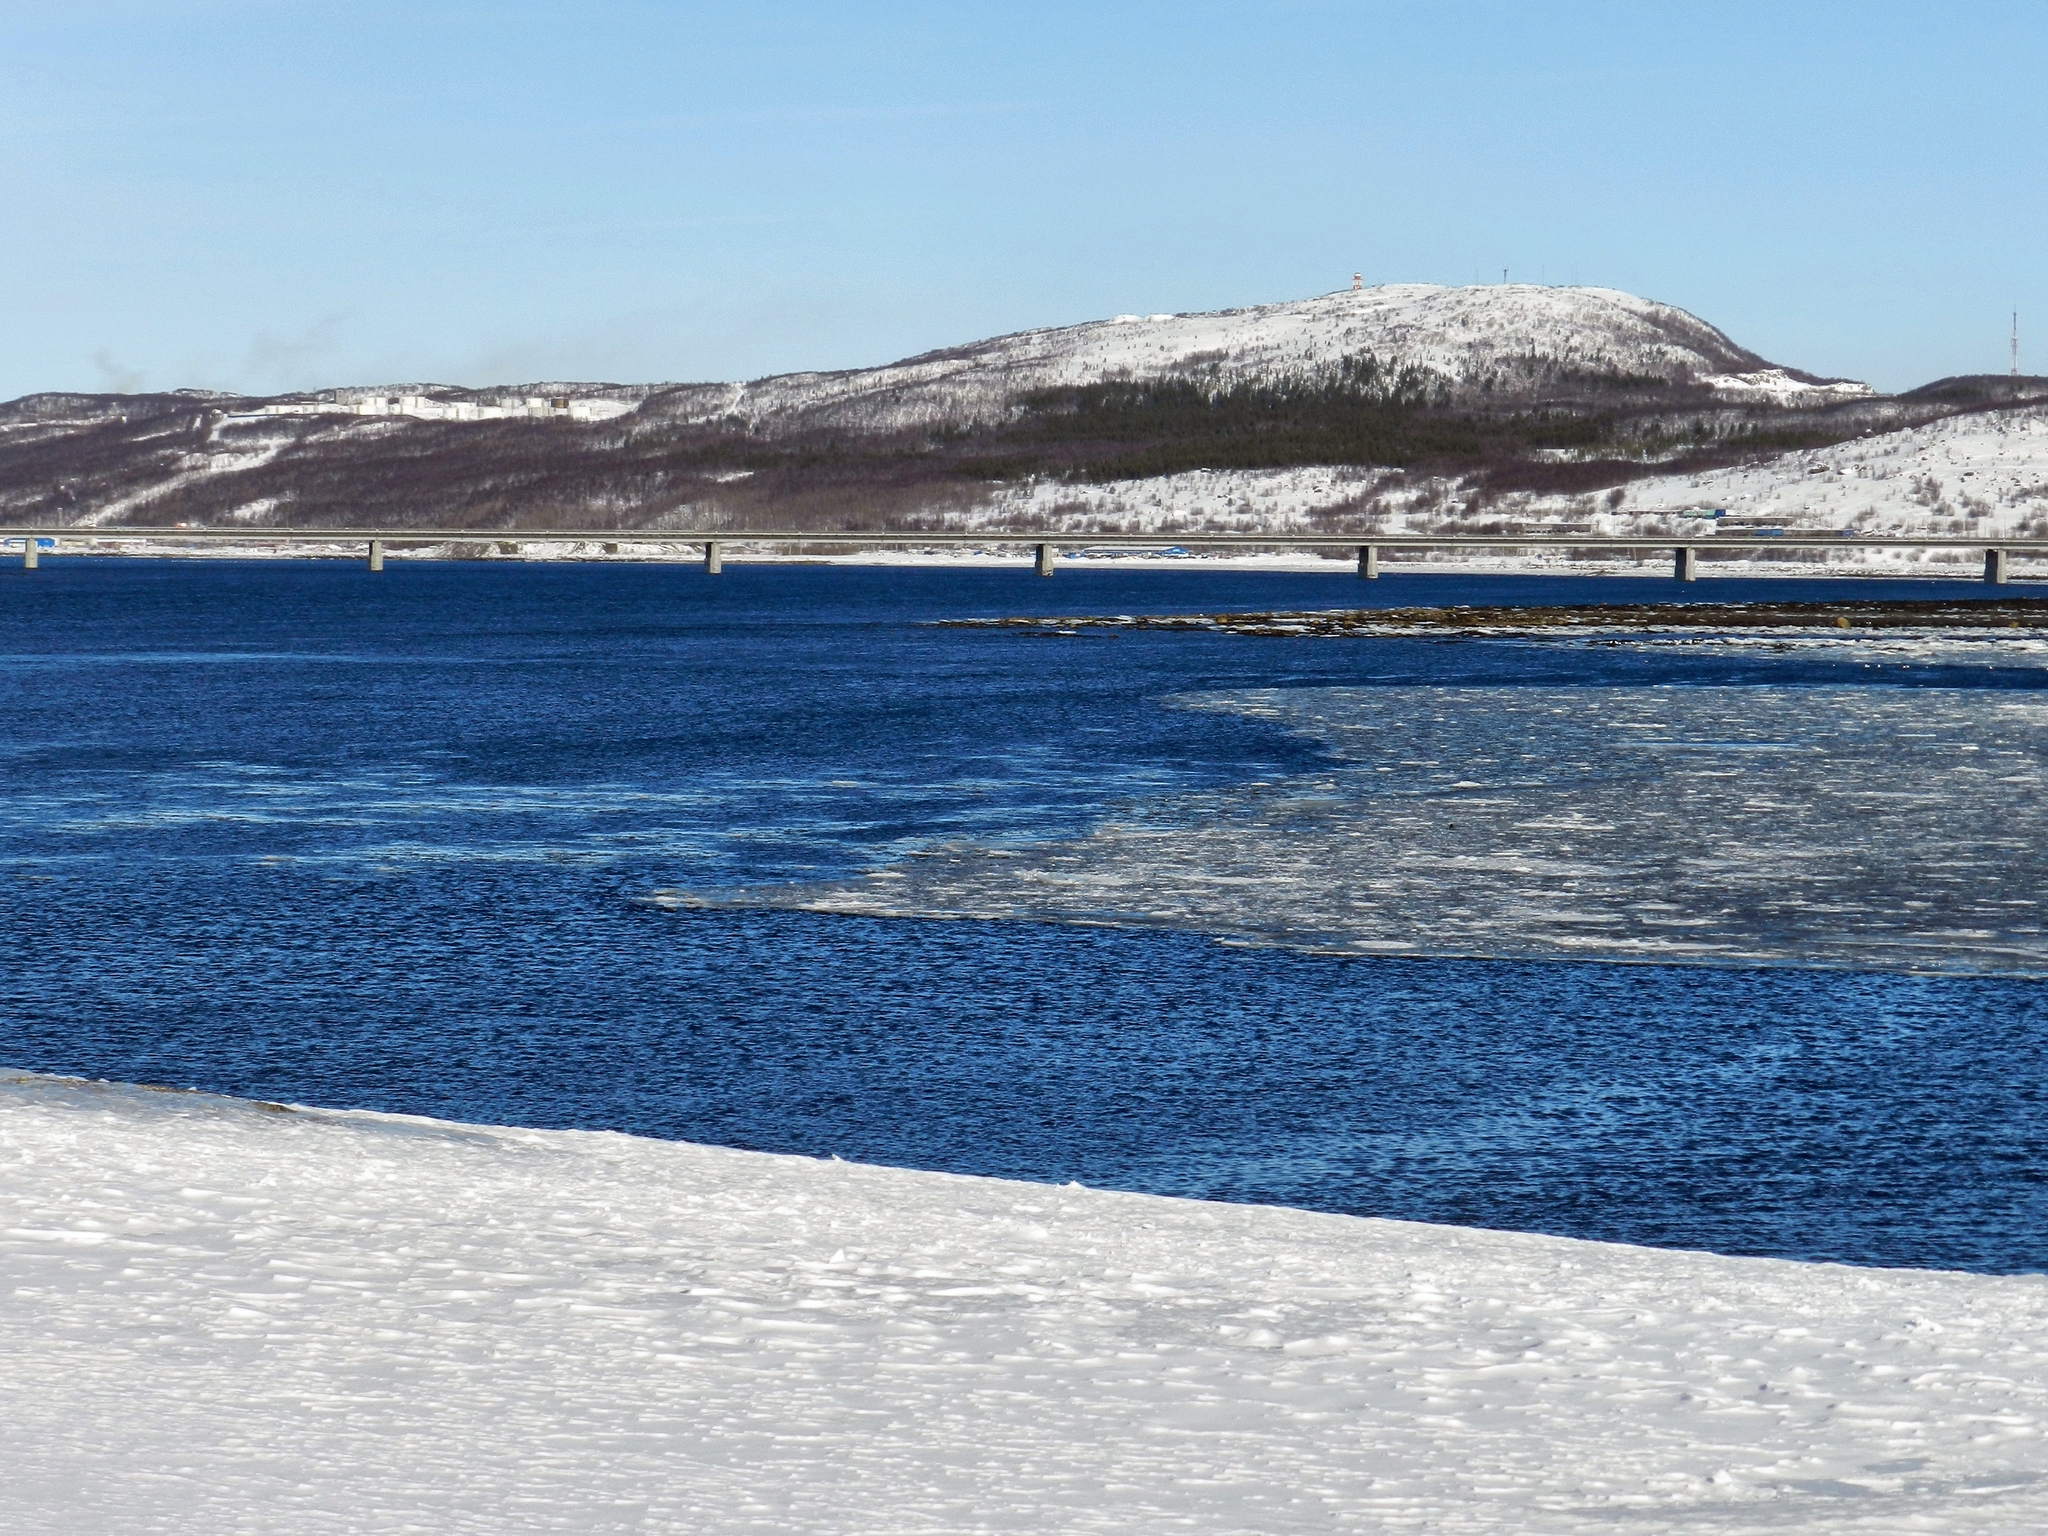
1468 341
1463 338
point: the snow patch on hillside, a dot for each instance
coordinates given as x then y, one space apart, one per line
1776 386
1982 475
1985 472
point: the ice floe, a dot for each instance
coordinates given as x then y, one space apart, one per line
1816 825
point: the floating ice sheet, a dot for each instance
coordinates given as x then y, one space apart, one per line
1844 826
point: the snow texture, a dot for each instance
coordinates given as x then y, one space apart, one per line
228 1317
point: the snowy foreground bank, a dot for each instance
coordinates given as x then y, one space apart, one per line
219 1316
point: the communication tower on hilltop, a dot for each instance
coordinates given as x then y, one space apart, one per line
1357 281
2015 343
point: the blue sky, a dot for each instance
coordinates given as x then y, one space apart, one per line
255 195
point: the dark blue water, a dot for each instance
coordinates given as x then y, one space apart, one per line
291 831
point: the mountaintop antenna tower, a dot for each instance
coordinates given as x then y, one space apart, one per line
2015 343
1357 282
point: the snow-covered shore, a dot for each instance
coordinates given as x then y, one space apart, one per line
220 1316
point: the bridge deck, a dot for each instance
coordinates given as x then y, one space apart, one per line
1685 549
1068 539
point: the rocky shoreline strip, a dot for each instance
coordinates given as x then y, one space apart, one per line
1861 614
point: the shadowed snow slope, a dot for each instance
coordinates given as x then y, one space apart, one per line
225 1317
1459 335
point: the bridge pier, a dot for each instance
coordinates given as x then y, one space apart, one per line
28 554
714 557
1994 566
376 554
1044 564
1685 562
1368 562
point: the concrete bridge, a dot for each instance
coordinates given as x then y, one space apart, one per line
1045 545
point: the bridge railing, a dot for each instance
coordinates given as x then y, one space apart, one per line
1043 544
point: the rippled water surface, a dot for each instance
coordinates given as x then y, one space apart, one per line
1304 921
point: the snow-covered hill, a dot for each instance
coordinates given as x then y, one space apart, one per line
643 456
1979 474
1510 334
